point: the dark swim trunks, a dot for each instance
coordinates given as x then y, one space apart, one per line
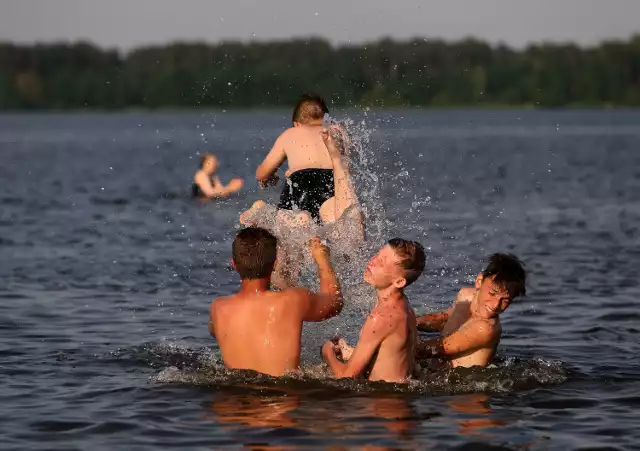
307 189
196 191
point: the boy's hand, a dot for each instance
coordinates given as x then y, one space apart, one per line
235 184
345 350
329 348
319 251
333 140
271 181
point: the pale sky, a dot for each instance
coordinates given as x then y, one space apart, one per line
129 23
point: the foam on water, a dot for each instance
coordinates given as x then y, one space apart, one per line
204 368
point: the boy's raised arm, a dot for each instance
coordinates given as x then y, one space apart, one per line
326 303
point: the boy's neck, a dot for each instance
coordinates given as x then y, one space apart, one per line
390 294
252 286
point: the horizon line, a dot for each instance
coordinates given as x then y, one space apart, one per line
315 38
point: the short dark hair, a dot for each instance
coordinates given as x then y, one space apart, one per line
310 107
508 272
254 253
412 257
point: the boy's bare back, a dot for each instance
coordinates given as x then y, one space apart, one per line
302 147
261 331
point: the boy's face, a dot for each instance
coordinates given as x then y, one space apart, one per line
384 270
210 165
491 299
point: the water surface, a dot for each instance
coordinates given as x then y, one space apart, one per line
107 269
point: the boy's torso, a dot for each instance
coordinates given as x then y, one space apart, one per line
261 332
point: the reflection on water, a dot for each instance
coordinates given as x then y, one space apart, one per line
476 415
381 419
264 417
254 410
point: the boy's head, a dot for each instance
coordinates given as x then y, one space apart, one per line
309 108
503 280
208 163
254 253
397 264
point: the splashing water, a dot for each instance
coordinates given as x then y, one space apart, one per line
202 367
349 259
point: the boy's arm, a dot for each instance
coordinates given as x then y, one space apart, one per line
209 189
432 322
327 303
462 341
371 336
233 186
272 161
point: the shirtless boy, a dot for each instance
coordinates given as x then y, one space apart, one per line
310 171
470 330
386 346
207 185
259 329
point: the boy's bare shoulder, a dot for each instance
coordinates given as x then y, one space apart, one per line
294 293
288 133
220 301
465 294
387 314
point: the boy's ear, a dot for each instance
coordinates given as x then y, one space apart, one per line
479 280
233 263
296 124
400 283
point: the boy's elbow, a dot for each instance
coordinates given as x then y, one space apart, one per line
262 173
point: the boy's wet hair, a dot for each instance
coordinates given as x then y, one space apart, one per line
412 257
309 108
254 253
508 272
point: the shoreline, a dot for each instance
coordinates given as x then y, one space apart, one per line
273 109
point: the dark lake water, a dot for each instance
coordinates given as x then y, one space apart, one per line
107 269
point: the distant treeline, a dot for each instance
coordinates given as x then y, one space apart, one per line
385 73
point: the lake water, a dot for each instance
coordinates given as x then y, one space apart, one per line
107 269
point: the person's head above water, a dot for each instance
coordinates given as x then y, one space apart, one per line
503 279
208 163
254 253
310 108
399 263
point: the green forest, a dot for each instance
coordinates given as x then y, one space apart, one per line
386 73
